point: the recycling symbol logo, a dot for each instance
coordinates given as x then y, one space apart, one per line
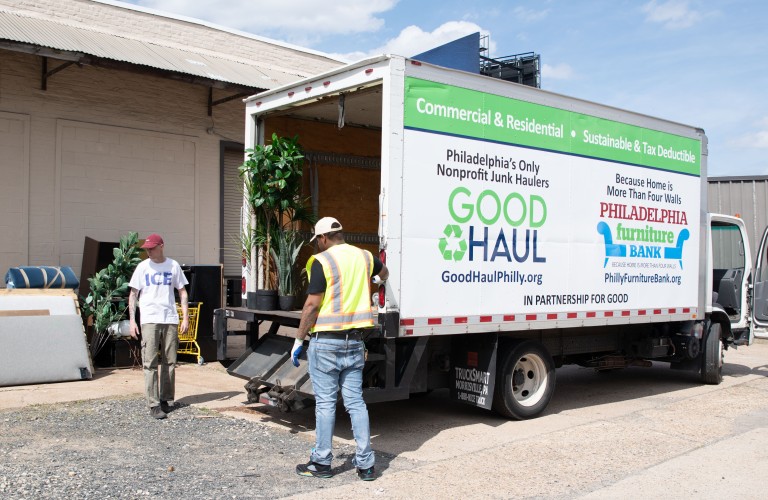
449 247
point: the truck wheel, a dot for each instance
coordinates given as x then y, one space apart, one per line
525 381
712 356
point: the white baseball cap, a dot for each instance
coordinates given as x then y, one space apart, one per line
324 226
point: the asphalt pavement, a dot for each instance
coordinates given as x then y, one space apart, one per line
638 432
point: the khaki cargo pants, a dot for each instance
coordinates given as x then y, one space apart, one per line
159 343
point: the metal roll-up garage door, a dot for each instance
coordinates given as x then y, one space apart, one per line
232 202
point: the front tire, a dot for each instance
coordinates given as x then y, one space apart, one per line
712 356
525 381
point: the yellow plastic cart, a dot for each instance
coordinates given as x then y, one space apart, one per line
188 341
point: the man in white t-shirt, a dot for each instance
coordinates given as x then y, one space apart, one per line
154 282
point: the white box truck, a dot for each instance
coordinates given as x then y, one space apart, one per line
523 230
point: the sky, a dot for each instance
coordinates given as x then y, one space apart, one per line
698 62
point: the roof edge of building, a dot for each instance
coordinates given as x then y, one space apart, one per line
192 20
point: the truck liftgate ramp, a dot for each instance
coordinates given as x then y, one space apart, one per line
272 378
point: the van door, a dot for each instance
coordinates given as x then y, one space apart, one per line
760 290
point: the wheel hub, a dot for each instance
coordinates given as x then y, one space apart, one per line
518 378
528 379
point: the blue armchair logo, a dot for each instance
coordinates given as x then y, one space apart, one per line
621 250
611 249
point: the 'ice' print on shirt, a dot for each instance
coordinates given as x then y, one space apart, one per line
158 279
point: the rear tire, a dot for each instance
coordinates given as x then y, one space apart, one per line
525 380
712 356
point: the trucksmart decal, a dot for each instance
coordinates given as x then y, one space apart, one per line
458 111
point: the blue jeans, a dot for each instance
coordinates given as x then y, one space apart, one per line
334 363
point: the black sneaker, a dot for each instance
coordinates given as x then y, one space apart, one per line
157 413
166 407
366 474
314 469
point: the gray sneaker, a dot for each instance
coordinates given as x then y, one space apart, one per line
157 413
167 408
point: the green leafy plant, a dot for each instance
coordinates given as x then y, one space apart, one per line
272 182
289 244
108 299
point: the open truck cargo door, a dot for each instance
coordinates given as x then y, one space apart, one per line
760 290
731 263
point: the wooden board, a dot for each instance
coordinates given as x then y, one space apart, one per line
39 291
27 312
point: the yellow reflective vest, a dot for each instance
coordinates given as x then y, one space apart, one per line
347 300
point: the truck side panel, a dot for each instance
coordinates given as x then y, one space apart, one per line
538 216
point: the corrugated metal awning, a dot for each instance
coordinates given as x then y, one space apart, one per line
79 42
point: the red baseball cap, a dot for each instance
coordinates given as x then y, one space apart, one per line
152 241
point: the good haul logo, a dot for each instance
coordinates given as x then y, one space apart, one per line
452 233
486 227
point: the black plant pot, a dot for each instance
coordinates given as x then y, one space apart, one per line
286 302
263 300
250 300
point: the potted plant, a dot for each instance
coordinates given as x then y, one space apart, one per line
272 182
107 301
288 243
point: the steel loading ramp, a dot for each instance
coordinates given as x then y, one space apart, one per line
272 378
266 364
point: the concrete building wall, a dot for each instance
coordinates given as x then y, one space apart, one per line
102 152
14 188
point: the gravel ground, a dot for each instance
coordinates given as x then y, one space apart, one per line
113 449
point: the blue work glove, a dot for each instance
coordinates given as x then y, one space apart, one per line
298 348
376 280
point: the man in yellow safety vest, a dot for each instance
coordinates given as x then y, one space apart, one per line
335 315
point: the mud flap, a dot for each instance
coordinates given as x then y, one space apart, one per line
473 369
